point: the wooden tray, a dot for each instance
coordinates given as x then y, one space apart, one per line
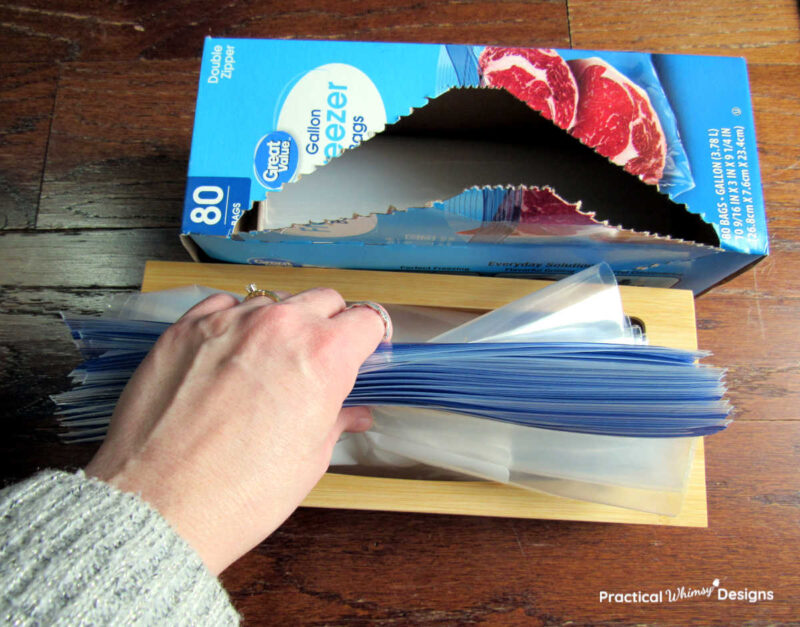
667 314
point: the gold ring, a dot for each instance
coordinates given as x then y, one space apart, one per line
253 292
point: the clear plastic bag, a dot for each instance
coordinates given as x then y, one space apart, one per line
648 474
162 306
641 473
584 307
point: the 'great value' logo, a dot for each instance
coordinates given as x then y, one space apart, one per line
275 159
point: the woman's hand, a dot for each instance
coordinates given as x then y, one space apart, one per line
231 419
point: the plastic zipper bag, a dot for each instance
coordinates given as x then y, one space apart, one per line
648 474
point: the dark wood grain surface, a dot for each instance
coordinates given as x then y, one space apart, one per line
96 107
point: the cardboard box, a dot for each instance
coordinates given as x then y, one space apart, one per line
473 159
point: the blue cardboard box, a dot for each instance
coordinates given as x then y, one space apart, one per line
475 159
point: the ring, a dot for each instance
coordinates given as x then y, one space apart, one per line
253 292
378 309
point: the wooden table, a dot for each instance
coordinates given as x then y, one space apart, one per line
96 108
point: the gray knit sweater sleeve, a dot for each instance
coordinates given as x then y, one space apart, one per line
76 551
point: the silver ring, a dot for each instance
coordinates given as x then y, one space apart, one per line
378 309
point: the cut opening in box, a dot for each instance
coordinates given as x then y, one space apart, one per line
477 138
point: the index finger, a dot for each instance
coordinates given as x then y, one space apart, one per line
210 304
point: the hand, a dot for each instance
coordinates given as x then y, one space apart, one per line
231 419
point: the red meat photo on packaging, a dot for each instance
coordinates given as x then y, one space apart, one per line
616 118
538 76
587 97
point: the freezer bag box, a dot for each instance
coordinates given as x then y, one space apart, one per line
475 159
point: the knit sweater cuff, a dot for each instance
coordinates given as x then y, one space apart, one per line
76 550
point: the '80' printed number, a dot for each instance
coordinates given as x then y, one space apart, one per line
207 197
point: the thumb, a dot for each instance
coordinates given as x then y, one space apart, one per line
352 419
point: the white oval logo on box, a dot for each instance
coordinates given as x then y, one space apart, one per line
332 108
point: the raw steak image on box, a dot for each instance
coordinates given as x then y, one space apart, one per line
587 97
537 76
616 118
543 212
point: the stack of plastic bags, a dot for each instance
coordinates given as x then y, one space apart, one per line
555 392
